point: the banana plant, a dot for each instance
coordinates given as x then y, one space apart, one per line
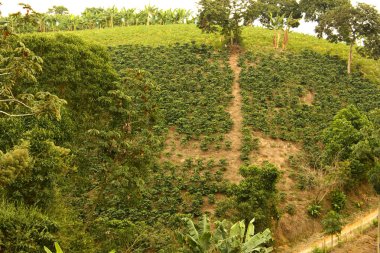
241 239
196 241
226 239
276 24
57 249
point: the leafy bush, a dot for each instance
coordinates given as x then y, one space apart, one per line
24 229
291 209
338 200
314 210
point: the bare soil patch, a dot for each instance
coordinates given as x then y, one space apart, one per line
308 98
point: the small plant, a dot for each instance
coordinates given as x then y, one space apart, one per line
314 210
204 146
211 199
291 209
319 250
338 200
305 182
219 176
228 145
359 204
57 249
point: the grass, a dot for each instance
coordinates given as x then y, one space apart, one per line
154 35
254 38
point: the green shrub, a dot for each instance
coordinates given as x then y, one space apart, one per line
211 199
291 209
24 229
314 210
338 200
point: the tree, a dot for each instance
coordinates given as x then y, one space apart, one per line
314 9
332 225
255 195
19 64
348 139
374 173
350 24
225 17
374 178
58 10
24 228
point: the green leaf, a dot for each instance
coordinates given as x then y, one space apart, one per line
47 250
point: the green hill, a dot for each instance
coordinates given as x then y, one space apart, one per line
150 134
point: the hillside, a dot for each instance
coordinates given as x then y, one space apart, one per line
295 99
160 120
255 39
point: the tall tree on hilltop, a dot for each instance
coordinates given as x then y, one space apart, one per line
314 9
223 16
58 10
351 25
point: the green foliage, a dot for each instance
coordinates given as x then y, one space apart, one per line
249 144
30 171
349 24
58 18
19 64
224 16
313 9
57 249
291 209
338 200
350 138
374 177
225 239
314 210
255 194
332 223
241 238
273 92
194 85
24 229
70 68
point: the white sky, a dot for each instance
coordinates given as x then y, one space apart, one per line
77 6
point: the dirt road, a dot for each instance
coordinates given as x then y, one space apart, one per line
349 231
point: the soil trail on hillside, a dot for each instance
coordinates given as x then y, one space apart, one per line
235 135
349 231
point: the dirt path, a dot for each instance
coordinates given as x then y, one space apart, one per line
235 135
349 231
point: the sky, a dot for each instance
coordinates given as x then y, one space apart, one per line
77 6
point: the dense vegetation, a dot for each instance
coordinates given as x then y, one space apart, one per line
194 84
274 86
84 156
58 18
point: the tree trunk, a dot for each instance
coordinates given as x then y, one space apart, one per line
350 59
286 39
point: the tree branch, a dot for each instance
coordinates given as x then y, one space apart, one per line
17 115
18 101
